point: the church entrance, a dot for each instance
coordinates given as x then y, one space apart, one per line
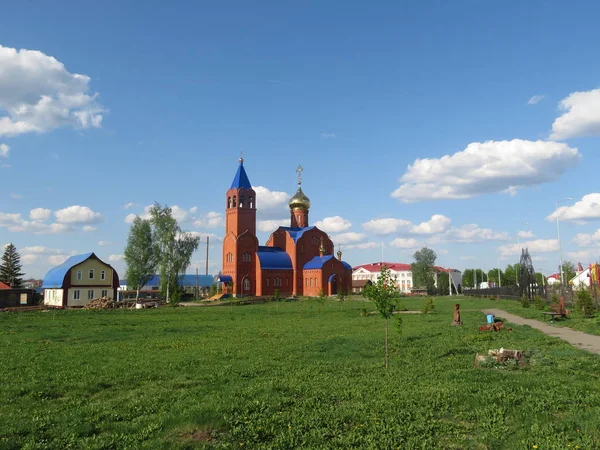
333 282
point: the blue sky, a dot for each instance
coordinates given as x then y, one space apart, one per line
454 125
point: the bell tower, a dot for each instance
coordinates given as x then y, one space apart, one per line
240 242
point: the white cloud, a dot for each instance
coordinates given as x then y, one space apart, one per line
526 234
129 218
361 246
469 233
210 220
194 209
129 205
335 224
437 224
586 256
586 208
116 258
40 214
483 168
585 239
77 215
203 236
89 228
40 227
581 116
467 258
268 226
404 243
383 227
535 99
55 260
328 135
348 238
7 219
535 246
4 150
179 214
38 94
29 258
270 202
39 249
443 251
104 243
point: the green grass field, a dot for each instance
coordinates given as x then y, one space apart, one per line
286 376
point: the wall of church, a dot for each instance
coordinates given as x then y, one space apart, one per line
269 280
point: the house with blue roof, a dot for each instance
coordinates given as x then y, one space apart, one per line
296 260
77 281
191 284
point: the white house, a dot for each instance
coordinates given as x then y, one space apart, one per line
581 279
553 279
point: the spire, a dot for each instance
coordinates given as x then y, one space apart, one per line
241 181
339 253
322 248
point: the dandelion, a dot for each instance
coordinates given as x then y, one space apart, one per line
535 446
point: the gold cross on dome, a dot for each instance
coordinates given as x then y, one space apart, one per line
299 171
241 157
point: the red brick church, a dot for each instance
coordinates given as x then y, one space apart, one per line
297 260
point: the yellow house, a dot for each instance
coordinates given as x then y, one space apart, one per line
78 280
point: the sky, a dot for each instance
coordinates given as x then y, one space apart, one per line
468 127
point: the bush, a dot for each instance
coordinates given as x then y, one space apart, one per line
539 303
584 302
363 312
428 306
525 302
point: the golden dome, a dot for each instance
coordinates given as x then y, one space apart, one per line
299 200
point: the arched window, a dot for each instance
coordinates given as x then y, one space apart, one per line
306 282
241 201
316 281
302 248
267 280
246 257
298 219
234 204
246 284
103 275
311 281
251 200
287 282
229 257
228 202
91 274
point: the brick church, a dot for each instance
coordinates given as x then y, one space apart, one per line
297 260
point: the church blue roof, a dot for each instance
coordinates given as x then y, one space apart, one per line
318 261
241 181
271 258
296 233
55 277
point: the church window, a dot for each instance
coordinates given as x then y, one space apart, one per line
229 257
246 257
302 248
267 280
307 282
251 202
298 219
310 282
287 282
234 201
241 201
316 281
246 284
229 202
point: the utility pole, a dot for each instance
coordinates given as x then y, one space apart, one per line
207 241
560 268
196 283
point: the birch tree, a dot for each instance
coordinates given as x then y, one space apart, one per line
140 255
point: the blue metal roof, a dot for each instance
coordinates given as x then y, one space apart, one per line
346 265
55 277
241 181
273 258
296 233
188 280
317 262
331 277
225 278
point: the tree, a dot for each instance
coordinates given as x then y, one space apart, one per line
568 269
10 268
443 284
384 293
140 255
173 248
492 277
422 269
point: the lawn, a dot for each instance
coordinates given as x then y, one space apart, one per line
292 375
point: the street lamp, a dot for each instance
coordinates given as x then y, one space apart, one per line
560 267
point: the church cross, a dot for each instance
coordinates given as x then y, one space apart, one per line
299 171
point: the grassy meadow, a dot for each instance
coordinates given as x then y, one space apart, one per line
288 375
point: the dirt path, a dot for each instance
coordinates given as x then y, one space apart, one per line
579 339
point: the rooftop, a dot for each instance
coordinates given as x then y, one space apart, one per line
241 181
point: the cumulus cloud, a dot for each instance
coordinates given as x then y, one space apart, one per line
89 228
40 214
404 243
526 234
39 250
29 258
4 150
587 255
335 224
10 219
104 243
581 116
437 224
40 227
77 215
585 209
535 99
535 246
116 257
361 246
55 260
587 239
350 237
129 218
203 236
268 226
38 94
468 234
483 168
270 201
210 220
387 226
129 205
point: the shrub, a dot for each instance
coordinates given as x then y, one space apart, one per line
539 303
363 312
525 302
584 302
428 306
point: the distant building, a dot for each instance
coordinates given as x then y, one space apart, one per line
403 273
582 279
10 298
553 279
78 280
151 289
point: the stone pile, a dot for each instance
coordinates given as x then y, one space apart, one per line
102 303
